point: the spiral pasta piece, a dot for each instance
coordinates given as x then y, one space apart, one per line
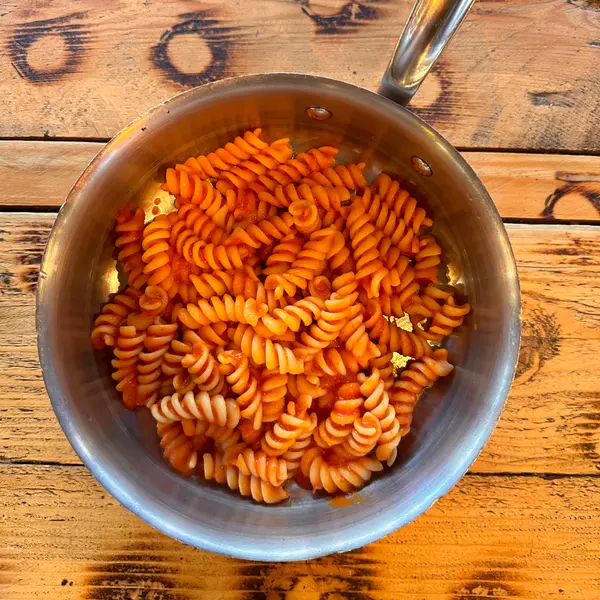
192 189
217 310
366 433
391 304
400 281
293 316
129 227
427 302
338 425
350 176
237 282
191 227
364 245
339 256
173 370
373 390
263 232
293 455
243 148
377 401
106 325
129 345
401 202
304 385
306 216
283 255
447 319
319 287
212 202
325 197
383 363
339 309
288 428
273 386
427 260
202 406
411 383
294 169
267 468
154 300
157 253
333 478
354 334
308 264
391 433
225 439
266 352
394 337
333 361
261 163
158 339
219 256
177 447
245 384
212 467
203 368
398 233
243 203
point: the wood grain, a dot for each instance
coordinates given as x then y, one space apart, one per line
523 186
62 536
518 75
550 423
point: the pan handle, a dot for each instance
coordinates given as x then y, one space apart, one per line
429 28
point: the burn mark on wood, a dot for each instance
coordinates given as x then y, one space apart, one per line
25 248
29 278
576 183
589 430
351 15
139 572
491 582
219 41
350 575
345 596
540 343
478 590
585 4
73 35
552 99
443 109
483 133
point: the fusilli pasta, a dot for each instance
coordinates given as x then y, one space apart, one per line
260 323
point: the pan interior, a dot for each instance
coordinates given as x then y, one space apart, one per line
452 420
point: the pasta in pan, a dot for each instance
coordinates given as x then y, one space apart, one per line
261 320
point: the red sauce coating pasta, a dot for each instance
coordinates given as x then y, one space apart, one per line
259 320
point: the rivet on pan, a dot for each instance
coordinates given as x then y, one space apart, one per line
318 113
420 166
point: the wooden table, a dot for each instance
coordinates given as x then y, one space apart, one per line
518 92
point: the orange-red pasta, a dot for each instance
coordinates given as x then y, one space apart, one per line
264 317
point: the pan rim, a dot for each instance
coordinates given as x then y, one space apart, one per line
282 551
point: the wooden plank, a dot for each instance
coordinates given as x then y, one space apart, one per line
523 186
540 186
508 537
518 74
549 425
40 174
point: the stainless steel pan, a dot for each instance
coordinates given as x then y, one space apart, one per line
454 419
